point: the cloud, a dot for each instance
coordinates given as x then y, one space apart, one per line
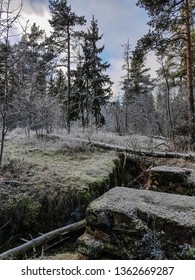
37 11
31 7
37 7
117 20
152 63
116 73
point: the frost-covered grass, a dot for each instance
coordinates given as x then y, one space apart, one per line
133 141
68 162
47 183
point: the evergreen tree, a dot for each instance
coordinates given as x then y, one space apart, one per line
63 22
51 87
79 95
57 86
61 86
36 60
92 81
165 16
140 76
137 86
126 79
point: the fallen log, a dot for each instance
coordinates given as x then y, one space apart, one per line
129 150
42 239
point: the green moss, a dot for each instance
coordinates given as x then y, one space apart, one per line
84 194
29 210
190 254
6 208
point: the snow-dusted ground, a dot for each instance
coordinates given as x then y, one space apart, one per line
134 141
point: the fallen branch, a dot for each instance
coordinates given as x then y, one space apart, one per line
129 150
22 183
5 224
42 239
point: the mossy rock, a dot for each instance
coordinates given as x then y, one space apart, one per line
139 224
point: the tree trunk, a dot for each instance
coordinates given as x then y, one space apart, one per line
5 86
69 81
171 133
3 133
123 149
88 108
42 239
189 77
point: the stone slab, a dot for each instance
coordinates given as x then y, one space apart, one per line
126 222
172 179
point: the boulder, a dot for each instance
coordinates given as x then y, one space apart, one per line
172 179
128 223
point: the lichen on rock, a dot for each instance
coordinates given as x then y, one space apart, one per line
135 220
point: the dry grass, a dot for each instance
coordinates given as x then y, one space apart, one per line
57 160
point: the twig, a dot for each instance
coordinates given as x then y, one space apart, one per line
5 224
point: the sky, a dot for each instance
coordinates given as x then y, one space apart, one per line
118 21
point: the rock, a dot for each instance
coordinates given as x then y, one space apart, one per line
92 247
171 179
128 223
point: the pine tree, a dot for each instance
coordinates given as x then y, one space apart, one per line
34 67
140 76
63 22
79 94
94 83
51 86
137 86
165 16
60 87
126 79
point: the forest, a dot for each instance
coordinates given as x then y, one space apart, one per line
57 85
61 80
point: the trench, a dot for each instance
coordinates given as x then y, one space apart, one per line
46 210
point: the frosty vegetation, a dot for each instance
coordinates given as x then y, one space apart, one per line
56 83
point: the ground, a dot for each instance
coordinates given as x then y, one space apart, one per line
50 168
46 183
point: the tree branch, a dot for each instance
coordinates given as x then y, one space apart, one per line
10 254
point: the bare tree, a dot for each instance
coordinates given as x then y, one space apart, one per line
8 20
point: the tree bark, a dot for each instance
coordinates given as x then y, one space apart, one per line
189 76
69 81
170 129
129 150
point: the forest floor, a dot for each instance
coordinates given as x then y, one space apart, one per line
48 167
63 161
29 162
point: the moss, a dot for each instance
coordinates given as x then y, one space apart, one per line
9 203
189 254
6 210
29 210
84 195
